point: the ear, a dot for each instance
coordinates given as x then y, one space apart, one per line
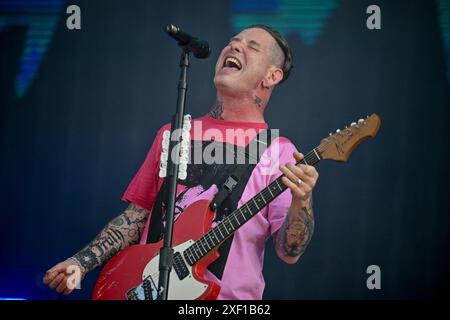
273 77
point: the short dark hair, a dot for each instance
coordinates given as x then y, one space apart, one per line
284 46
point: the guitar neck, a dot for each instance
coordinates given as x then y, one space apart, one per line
240 216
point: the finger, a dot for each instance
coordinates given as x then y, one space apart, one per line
298 173
54 271
296 191
57 281
288 173
49 276
298 156
67 291
62 285
60 267
309 170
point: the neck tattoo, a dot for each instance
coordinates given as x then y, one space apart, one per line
217 110
258 101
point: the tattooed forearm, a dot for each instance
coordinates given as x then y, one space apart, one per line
121 232
217 110
295 233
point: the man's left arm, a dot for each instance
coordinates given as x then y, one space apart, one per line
296 231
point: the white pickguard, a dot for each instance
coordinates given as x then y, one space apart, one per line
187 289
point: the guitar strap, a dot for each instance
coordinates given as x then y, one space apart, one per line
239 175
252 152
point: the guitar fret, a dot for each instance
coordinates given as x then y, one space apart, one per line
238 222
223 228
198 250
201 242
231 224
242 214
207 236
270 191
317 155
194 252
206 244
233 228
213 234
228 230
274 187
188 256
191 260
262 197
279 186
254 201
268 195
220 231
249 210
278 183
188 252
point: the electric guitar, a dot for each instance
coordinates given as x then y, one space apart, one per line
132 274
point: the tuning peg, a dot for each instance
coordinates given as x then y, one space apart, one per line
330 134
353 124
338 130
360 121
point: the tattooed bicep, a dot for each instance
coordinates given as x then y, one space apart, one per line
135 207
136 214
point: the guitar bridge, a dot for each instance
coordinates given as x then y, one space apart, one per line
146 290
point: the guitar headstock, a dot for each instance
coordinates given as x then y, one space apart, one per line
340 145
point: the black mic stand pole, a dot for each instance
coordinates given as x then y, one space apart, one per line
166 252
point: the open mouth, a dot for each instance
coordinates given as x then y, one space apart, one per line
231 62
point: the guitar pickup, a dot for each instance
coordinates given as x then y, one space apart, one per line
180 266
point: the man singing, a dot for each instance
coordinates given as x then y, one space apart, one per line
247 71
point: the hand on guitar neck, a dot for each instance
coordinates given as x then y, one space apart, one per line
296 232
300 179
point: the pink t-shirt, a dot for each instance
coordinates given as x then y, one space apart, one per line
242 276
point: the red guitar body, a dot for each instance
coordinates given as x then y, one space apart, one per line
128 268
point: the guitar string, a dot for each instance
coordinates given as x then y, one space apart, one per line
309 158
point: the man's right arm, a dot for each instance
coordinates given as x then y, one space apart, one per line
121 232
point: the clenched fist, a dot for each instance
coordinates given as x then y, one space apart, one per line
65 276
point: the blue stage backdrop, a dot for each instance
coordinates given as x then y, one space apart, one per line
79 110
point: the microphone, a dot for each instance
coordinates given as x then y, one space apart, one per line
198 47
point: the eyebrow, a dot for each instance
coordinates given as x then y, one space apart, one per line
251 42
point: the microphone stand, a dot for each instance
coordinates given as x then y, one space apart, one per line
166 252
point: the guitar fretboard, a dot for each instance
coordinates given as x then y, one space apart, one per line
240 216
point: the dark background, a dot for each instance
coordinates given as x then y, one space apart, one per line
73 142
